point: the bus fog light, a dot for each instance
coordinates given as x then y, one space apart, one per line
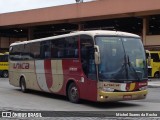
143 88
108 89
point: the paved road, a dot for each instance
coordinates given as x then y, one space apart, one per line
154 82
11 98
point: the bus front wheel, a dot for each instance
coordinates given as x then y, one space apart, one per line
23 85
73 94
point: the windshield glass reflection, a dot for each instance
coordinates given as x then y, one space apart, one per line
121 58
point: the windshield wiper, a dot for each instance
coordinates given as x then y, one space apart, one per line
131 66
122 69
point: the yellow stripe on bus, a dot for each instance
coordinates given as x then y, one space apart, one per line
132 86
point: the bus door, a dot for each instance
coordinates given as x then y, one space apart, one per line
155 63
89 85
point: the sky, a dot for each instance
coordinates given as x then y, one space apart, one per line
19 5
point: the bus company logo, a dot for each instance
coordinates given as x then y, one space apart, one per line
112 85
6 114
20 65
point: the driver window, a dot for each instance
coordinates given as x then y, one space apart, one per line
87 56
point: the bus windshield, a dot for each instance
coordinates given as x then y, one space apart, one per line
122 59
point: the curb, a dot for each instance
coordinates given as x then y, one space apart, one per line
153 86
153 83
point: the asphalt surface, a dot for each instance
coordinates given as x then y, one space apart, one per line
46 102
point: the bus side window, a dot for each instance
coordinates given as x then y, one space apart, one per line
26 53
15 54
64 47
54 49
61 48
45 49
57 48
1 58
60 53
155 57
35 50
5 58
71 47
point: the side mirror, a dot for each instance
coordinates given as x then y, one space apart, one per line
97 54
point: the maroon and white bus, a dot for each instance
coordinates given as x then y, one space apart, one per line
93 65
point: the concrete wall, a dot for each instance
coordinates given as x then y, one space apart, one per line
152 40
99 9
6 41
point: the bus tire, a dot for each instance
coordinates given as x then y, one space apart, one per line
23 85
156 75
5 74
73 93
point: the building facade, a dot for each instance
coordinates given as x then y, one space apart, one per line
141 17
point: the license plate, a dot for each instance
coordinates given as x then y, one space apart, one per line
127 97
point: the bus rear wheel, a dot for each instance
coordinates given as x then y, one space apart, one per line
73 93
5 74
157 75
23 85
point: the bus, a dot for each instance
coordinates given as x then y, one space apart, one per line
153 60
96 65
4 64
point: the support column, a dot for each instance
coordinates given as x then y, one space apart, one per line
0 41
30 33
144 30
80 26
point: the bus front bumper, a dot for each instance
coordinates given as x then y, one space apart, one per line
121 96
